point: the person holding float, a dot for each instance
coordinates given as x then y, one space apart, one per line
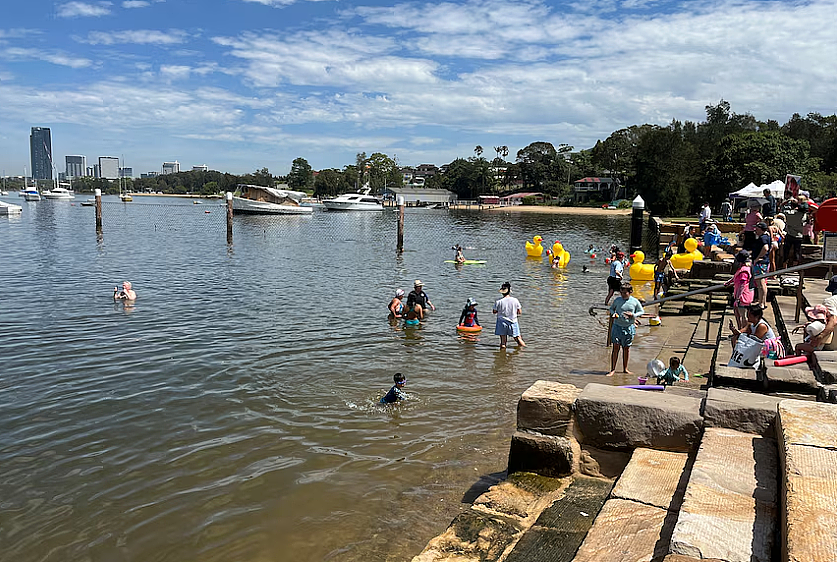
507 310
126 294
625 312
468 321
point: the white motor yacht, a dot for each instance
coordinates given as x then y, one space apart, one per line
59 193
31 194
7 209
354 202
261 200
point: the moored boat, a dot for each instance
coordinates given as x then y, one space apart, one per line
261 200
59 193
361 201
7 209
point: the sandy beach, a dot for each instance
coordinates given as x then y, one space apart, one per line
546 209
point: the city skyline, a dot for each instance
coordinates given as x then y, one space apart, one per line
247 84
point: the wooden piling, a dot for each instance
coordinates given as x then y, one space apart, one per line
98 195
229 217
400 241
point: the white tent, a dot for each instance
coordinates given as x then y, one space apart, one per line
777 188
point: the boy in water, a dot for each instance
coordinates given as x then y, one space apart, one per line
395 393
469 314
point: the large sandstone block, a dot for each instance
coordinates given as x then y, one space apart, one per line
626 531
725 375
743 411
791 378
729 510
810 490
616 417
547 407
547 455
808 423
653 477
825 366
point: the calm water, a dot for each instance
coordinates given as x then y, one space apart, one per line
231 414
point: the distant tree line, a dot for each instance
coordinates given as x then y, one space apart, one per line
675 167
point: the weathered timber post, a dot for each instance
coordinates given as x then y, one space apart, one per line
799 295
709 313
636 224
229 217
98 195
400 241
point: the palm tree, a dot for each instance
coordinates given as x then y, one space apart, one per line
478 151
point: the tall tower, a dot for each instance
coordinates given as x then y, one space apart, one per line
40 153
76 166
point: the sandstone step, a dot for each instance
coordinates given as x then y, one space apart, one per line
546 407
613 417
808 441
791 379
825 366
627 531
671 308
654 478
729 510
561 527
747 379
743 411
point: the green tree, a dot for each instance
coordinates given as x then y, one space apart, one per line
301 177
667 170
382 172
537 163
327 183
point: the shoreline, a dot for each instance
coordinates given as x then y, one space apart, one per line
546 209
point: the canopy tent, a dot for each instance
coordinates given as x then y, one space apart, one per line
777 188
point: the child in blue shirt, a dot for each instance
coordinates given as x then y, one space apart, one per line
395 393
469 314
674 373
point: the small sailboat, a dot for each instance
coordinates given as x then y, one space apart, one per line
124 197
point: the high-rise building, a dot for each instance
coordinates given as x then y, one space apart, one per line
109 167
126 172
149 175
76 166
97 172
40 153
171 167
200 168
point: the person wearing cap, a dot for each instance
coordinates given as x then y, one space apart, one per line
469 314
507 309
625 312
794 223
761 261
419 299
817 317
396 307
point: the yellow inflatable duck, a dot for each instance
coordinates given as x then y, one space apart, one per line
534 250
685 260
561 254
640 271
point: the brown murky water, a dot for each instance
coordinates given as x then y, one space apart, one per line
232 414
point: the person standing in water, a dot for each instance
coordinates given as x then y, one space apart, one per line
625 312
396 307
422 301
507 310
126 294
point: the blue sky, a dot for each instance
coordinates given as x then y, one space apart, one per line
243 84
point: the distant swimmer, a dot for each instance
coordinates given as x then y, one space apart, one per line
584 269
395 393
126 294
460 257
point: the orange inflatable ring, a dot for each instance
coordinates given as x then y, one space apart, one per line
471 329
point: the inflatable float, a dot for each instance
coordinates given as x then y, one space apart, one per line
640 271
534 250
790 361
467 262
559 252
469 329
685 259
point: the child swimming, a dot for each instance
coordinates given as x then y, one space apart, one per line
395 393
469 314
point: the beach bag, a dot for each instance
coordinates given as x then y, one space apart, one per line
746 353
772 348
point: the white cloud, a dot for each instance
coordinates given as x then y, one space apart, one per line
136 36
54 57
128 4
83 9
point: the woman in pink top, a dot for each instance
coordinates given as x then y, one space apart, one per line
742 293
750 221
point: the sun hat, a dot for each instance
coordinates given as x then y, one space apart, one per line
817 312
832 285
471 302
742 256
762 225
505 288
399 292
418 283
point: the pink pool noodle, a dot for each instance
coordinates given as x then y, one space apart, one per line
790 361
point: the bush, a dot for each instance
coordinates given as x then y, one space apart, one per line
624 204
530 200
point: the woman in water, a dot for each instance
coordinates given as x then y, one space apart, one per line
396 307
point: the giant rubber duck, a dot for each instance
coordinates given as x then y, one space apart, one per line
640 271
534 250
561 254
685 260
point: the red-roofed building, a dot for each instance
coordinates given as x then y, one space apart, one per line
600 189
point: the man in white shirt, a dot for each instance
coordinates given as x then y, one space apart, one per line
705 215
507 310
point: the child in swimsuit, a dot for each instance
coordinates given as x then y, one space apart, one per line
412 315
395 393
469 314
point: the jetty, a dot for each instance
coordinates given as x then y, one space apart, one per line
736 465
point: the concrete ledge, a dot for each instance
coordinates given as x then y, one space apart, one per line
654 478
742 411
613 417
547 407
547 455
729 511
791 379
725 375
626 531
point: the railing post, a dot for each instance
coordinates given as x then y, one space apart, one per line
799 295
400 240
98 194
709 313
229 217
